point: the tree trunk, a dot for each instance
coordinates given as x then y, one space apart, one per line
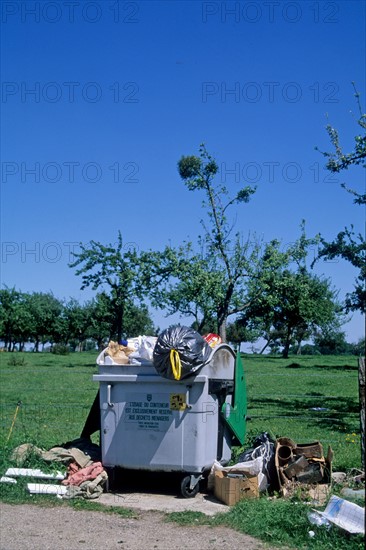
222 329
361 390
286 349
120 316
265 347
223 312
200 325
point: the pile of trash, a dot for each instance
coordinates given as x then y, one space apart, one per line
302 464
289 469
286 467
253 473
85 476
176 345
128 352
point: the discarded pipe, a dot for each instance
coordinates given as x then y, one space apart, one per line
284 453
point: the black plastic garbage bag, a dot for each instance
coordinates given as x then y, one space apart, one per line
180 352
264 446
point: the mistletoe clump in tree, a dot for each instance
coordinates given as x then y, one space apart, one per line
229 260
209 284
206 282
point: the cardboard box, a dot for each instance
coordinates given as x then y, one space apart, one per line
303 470
294 460
310 450
232 489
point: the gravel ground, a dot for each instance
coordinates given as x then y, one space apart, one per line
25 527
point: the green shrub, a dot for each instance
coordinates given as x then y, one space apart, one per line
60 349
16 360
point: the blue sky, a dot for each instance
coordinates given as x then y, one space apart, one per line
101 99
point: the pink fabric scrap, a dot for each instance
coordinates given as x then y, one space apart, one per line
84 474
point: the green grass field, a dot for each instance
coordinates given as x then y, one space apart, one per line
55 391
304 398
307 399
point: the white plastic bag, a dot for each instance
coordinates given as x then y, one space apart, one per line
143 346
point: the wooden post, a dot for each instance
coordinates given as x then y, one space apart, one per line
361 390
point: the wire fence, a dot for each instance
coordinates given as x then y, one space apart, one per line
320 406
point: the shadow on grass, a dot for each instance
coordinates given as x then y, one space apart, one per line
336 363
334 413
323 367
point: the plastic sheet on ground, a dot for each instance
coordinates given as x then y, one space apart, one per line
344 514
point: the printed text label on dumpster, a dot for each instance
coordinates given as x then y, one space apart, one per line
147 415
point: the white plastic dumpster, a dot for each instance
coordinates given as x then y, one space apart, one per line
152 423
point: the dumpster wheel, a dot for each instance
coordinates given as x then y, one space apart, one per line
186 489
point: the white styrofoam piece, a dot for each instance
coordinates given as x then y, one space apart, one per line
5 479
30 472
46 489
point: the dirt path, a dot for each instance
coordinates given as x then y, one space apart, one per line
25 527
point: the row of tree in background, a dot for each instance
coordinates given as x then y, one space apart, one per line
41 318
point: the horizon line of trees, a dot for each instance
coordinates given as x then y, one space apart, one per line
40 318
